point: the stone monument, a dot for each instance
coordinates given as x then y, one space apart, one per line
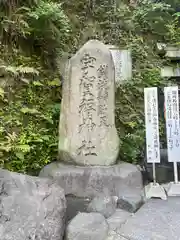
87 132
88 140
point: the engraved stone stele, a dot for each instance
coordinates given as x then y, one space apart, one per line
87 133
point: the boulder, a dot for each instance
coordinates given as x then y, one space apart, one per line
91 181
106 205
30 208
91 226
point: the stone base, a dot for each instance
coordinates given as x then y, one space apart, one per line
91 181
155 191
173 189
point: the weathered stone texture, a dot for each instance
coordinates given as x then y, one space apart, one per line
106 205
30 208
90 226
87 133
123 179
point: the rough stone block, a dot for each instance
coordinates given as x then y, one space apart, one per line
30 208
131 202
117 180
91 226
118 218
106 205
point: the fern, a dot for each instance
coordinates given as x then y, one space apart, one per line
19 72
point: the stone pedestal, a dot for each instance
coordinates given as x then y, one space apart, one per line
119 180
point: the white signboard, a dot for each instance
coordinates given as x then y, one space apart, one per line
172 123
152 125
123 64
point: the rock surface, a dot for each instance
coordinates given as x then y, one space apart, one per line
91 226
156 219
30 208
117 180
88 98
117 219
130 203
76 205
106 205
115 236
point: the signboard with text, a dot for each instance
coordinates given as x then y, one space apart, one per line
152 125
172 123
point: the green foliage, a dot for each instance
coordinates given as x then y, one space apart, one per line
137 27
29 126
30 89
33 36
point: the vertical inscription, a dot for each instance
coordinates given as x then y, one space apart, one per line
169 120
172 123
152 125
87 132
87 106
149 120
102 85
175 113
155 123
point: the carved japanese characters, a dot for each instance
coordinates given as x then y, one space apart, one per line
87 133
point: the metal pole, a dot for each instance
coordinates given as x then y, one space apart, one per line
154 173
175 172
